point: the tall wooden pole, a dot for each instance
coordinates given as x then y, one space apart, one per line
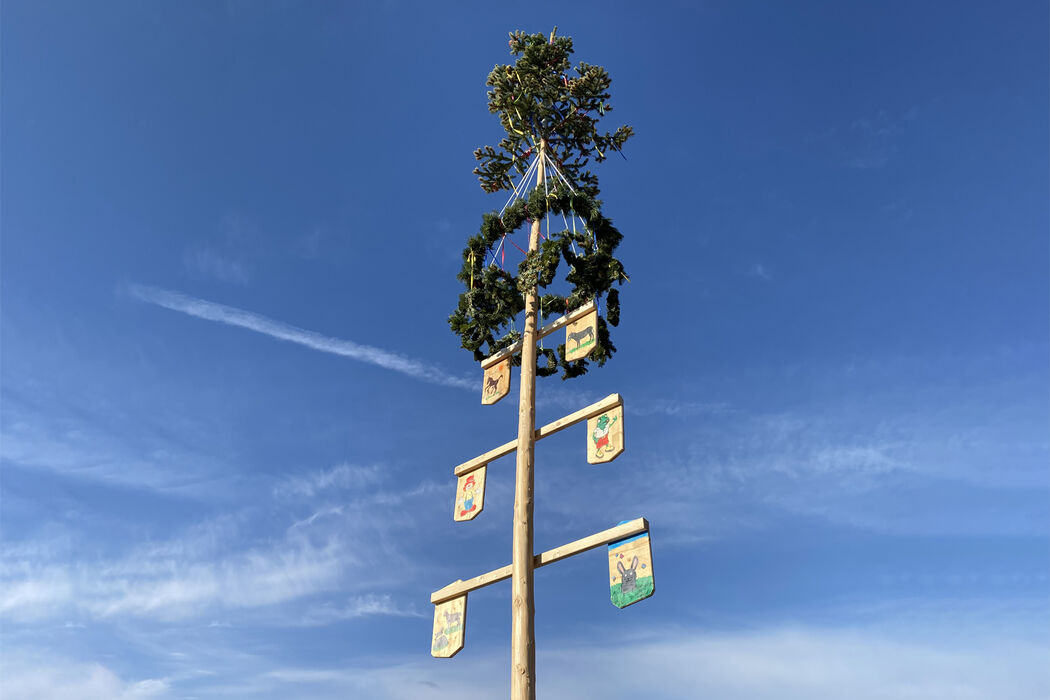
523 605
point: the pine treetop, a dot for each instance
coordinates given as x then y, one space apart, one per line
541 97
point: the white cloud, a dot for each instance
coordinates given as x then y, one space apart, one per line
54 680
153 585
224 564
43 590
211 311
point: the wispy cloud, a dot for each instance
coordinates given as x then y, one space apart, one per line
874 139
234 562
88 442
869 142
857 463
359 606
944 650
759 270
211 311
339 477
677 407
205 262
153 583
789 663
46 677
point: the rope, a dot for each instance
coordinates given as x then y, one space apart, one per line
559 173
516 194
546 198
521 184
496 252
571 189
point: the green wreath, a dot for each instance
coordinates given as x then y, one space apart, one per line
486 311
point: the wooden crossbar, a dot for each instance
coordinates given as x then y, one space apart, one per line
458 588
609 402
540 333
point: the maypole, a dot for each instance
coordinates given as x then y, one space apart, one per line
523 622
550 113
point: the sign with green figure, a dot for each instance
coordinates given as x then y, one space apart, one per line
605 436
630 570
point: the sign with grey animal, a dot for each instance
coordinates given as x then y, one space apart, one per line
581 336
450 621
630 570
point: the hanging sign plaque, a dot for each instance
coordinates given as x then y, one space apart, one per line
450 622
496 384
581 336
605 436
470 494
630 570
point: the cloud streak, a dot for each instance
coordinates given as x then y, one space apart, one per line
155 582
231 316
369 605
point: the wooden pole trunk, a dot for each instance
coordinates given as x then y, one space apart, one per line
523 604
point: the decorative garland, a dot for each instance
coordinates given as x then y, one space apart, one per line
484 316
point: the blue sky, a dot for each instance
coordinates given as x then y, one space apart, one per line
231 403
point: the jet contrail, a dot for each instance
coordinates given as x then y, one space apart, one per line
231 316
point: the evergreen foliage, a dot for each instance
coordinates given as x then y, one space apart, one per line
537 100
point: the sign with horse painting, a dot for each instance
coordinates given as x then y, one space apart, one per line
581 336
630 570
470 494
497 382
605 436
450 623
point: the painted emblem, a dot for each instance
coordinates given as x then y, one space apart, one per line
470 494
605 436
450 621
581 336
630 570
496 384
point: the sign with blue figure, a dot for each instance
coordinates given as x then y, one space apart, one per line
470 495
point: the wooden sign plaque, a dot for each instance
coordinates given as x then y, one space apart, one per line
496 384
581 336
630 570
605 436
450 623
470 494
